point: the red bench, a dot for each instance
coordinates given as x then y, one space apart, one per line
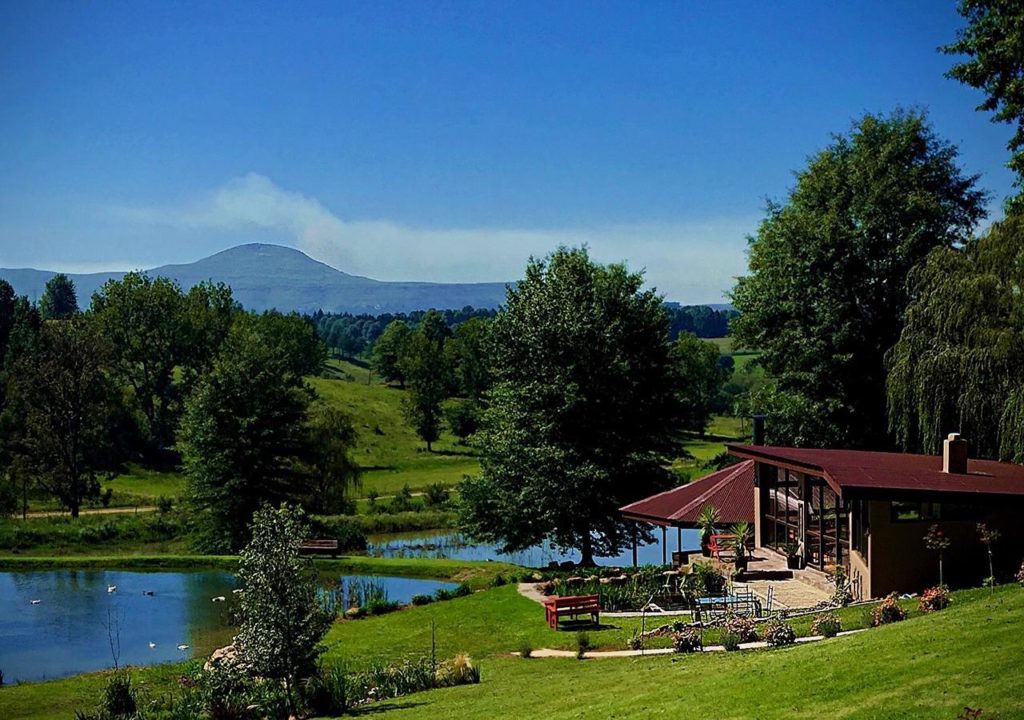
556 607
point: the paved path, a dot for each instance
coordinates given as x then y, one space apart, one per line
92 511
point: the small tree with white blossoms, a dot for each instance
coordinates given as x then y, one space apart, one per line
282 619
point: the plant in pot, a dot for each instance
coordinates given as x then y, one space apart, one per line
793 559
743 533
706 521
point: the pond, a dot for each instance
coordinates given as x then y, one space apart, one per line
61 622
457 547
353 590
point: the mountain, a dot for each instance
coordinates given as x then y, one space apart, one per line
271 276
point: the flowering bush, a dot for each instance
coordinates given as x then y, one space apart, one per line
742 627
778 633
827 625
843 594
888 611
687 640
934 598
1020 574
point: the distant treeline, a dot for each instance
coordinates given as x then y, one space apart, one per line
351 335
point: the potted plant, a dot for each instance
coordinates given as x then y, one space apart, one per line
706 521
743 533
793 559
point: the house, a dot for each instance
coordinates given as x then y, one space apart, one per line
870 511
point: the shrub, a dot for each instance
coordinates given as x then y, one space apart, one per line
827 625
687 640
436 495
462 590
636 641
327 692
443 594
742 627
778 633
164 504
934 599
1020 574
460 670
707 580
119 697
499 580
582 644
888 611
422 599
731 641
843 593
525 647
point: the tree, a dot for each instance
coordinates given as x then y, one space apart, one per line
701 375
469 357
388 351
281 618
144 320
293 336
243 435
332 469
425 367
59 301
65 398
584 411
209 310
826 293
994 42
959 363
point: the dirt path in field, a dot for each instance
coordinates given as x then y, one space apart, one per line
91 511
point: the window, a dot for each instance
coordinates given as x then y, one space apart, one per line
905 511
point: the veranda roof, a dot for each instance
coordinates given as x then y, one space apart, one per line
731 490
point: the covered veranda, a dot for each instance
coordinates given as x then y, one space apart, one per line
730 490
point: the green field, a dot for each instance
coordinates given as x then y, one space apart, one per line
930 666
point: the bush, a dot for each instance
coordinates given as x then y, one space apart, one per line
843 593
327 692
731 641
934 599
164 504
462 590
778 633
499 580
119 697
687 640
888 611
460 670
421 599
1020 575
349 533
402 501
582 644
436 495
707 580
443 594
742 627
525 647
827 625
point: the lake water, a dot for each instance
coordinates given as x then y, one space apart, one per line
71 628
352 589
456 547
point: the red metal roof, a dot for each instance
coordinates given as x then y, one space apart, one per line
731 490
890 471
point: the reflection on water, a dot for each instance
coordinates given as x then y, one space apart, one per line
357 590
457 547
76 621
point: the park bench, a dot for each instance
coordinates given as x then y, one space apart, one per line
556 607
319 547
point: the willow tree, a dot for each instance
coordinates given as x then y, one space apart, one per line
959 362
825 296
583 412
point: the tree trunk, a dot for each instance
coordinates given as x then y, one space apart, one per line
587 551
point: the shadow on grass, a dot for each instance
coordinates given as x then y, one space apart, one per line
378 708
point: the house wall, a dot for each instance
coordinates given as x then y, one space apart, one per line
899 561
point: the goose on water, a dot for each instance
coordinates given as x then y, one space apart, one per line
219 598
152 645
111 588
36 602
183 647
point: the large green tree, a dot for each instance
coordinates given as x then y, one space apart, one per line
425 367
144 320
59 300
243 435
701 375
331 465
959 362
826 293
209 310
65 398
468 353
388 351
993 41
583 413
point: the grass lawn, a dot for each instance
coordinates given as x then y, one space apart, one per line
142 486
388 448
927 667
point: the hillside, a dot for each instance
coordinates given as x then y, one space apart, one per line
271 276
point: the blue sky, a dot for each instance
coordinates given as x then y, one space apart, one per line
446 141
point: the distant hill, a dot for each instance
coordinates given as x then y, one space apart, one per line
271 276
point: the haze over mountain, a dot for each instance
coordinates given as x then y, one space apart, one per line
266 276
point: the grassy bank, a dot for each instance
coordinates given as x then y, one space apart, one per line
930 666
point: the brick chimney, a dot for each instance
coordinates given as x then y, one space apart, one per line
954 454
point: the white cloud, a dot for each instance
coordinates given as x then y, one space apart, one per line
688 261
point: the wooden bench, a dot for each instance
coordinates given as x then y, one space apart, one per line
556 607
319 547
